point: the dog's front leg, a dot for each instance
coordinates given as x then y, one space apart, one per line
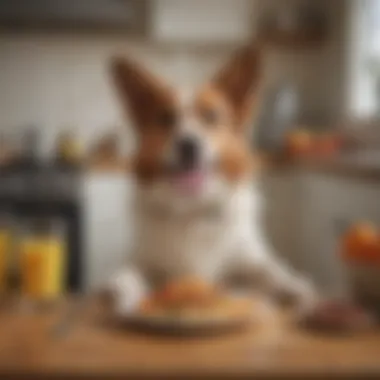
126 288
285 284
256 264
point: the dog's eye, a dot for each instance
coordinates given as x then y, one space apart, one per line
209 115
167 119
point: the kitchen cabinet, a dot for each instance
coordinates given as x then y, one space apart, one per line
284 197
201 21
305 212
105 15
334 201
108 225
163 21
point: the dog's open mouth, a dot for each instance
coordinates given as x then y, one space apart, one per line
189 182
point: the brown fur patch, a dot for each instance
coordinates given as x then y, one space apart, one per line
146 163
234 89
227 101
235 156
235 159
209 97
142 95
146 99
238 81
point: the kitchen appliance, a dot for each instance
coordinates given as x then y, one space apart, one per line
302 25
278 115
126 15
31 188
68 151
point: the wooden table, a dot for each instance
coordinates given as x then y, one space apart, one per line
95 349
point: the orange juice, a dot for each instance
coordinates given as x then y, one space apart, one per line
42 268
5 246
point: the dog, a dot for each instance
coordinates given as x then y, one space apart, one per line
196 202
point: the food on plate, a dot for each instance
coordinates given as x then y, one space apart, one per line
193 297
338 316
299 142
303 142
187 291
326 145
68 148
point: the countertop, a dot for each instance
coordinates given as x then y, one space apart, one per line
360 165
94 348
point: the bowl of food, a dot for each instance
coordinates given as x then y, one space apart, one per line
338 316
191 306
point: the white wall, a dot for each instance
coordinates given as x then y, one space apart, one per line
318 73
59 81
203 20
56 81
360 92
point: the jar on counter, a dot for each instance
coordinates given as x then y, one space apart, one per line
68 149
42 260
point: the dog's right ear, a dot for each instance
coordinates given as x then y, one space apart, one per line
141 94
239 81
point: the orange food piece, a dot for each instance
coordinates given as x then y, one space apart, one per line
361 243
185 292
299 143
193 298
325 145
148 305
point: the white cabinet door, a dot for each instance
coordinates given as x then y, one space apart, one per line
107 224
202 20
331 201
284 196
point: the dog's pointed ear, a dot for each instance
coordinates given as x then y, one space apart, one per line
140 92
239 81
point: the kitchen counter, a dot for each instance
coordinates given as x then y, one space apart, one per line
361 166
96 349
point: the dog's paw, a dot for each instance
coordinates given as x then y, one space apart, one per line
125 290
301 295
308 299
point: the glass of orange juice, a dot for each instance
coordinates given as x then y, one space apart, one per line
42 261
5 251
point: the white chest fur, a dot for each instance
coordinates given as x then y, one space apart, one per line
200 241
206 240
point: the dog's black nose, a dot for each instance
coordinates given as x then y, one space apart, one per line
188 152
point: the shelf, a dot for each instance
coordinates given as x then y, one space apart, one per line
294 40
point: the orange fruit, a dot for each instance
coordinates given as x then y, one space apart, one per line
186 290
361 243
325 145
299 143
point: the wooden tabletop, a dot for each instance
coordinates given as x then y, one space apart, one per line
96 349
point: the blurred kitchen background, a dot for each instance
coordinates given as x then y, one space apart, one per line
65 146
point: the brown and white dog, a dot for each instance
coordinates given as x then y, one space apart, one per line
197 206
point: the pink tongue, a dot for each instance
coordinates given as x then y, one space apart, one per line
189 183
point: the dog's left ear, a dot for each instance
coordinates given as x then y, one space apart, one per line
141 93
238 81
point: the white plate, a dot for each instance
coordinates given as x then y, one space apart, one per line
186 326
190 324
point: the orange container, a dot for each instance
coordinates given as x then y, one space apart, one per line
42 266
5 250
361 243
